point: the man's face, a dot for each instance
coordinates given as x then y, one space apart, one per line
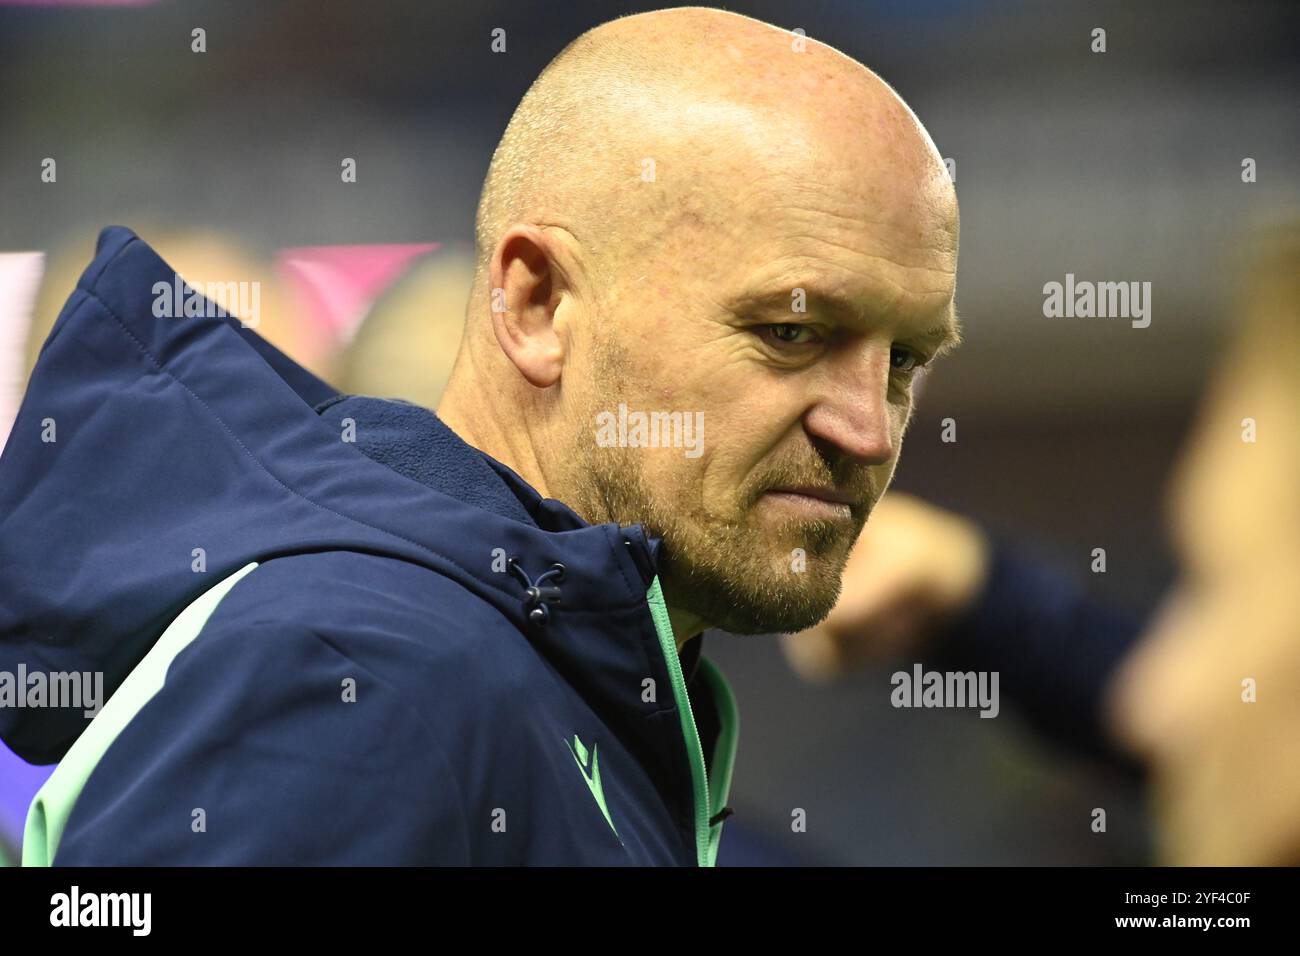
788 314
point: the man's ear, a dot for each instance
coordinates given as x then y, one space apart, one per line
525 288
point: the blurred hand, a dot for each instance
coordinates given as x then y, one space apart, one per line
914 567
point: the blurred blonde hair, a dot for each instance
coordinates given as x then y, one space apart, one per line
407 343
199 256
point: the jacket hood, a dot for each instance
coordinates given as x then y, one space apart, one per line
153 456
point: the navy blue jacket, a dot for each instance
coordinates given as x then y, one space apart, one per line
373 644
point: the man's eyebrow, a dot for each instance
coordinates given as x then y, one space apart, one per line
947 334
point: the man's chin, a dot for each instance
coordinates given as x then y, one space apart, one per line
770 618
754 602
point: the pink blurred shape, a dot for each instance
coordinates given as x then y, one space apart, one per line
336 285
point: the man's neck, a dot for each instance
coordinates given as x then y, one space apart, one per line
468 415
686 625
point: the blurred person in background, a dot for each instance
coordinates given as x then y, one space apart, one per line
1211 697
406 346
928 584
1207 692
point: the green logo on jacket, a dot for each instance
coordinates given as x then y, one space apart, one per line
592 777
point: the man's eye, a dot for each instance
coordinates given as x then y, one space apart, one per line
904 359
791 333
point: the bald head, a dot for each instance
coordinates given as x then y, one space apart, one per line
699 216
656 121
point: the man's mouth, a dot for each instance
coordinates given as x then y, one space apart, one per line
814 500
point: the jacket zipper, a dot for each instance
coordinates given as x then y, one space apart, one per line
705 848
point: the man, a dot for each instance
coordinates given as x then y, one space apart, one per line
475 638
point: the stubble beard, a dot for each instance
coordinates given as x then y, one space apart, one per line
732 571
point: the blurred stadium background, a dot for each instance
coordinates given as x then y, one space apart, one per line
1122 166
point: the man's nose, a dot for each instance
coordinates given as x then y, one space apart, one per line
852 411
